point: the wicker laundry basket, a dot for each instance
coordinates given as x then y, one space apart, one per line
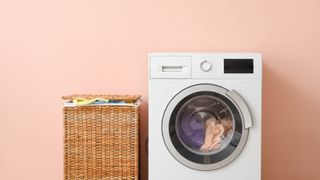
101 141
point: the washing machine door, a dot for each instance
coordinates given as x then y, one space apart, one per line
205 126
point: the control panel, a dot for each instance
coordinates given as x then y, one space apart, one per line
205 65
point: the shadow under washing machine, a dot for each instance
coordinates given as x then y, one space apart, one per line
205 116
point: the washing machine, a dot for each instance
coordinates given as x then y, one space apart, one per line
205 116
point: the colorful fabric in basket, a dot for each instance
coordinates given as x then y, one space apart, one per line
84 101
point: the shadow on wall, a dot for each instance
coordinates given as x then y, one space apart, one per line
291 141
143 137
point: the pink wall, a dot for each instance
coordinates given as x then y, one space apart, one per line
54 48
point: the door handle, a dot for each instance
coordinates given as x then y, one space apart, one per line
243 107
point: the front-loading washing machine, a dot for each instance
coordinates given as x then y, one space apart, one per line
205 116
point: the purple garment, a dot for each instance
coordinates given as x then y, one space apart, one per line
192 131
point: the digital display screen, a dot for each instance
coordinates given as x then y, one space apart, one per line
238 66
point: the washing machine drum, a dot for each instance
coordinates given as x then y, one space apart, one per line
204 127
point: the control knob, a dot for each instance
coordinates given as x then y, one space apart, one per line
205 66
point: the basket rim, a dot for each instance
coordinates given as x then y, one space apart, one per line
110 97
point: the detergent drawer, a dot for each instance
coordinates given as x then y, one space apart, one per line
170 67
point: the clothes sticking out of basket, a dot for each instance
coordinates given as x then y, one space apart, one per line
101 137
83 100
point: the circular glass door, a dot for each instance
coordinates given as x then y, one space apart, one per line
203 127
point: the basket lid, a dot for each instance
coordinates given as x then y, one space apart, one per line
127 98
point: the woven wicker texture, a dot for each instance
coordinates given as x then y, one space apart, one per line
101 142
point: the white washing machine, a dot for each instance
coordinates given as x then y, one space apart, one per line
205 116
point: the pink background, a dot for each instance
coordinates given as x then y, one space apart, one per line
54 48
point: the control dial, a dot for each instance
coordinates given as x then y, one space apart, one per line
205 66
